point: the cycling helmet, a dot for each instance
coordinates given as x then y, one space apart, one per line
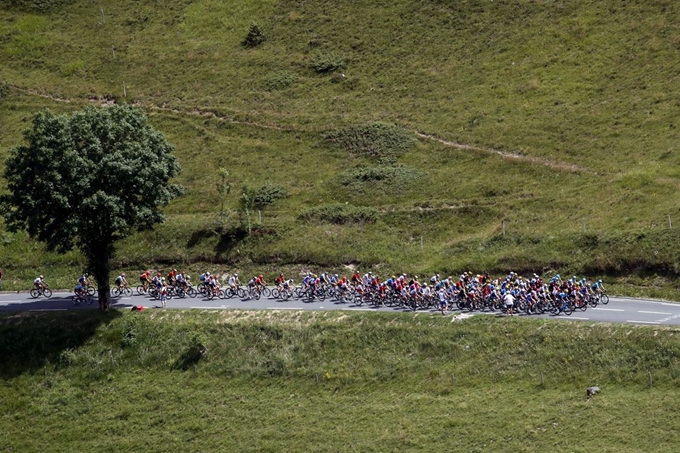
599 281
260 276
424 285
42 277
235 275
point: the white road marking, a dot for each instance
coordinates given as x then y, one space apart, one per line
575 317
49 309
207 308
644 322
608 309
125 298
655 312
283 308
11 301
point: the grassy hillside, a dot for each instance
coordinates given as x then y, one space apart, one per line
384 383
539 114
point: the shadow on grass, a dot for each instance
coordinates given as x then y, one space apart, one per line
31 340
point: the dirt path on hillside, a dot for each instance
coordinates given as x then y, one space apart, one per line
207 113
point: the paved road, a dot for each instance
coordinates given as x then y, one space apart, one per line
619 309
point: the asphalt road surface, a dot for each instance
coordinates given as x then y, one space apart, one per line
619 309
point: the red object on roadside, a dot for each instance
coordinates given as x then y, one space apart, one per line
137 308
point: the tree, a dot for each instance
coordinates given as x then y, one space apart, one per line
87 180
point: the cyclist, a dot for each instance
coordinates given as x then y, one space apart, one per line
83 280
121 282
171 277
233 282
597 287
40 283
145 279
80 290
279 280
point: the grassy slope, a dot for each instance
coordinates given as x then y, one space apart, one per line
384 383
582 83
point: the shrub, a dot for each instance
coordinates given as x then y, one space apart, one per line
4 90
373 139
340 214
35 5
255 36
267 194
280 80
324 62
385 174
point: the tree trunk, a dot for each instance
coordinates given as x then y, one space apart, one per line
100 266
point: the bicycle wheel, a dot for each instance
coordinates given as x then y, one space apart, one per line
47 293
567 309
91 290
191 292
89 299
141 290
241 293
115 292
276 294
604 299
221 294
76 300
35 293
266 292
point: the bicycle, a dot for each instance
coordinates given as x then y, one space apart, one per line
37 292
120 291
80 298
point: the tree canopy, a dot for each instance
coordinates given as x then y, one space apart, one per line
88 179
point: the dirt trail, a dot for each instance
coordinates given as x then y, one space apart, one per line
508 155
203 112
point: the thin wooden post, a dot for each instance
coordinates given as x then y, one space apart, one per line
503 226
421 243
584 224
541 378
316 378
670 224
103 19
259 217
124 90
453 379
649 378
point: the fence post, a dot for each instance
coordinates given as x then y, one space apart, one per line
649 378
259 217
670 224
316 378
584 224
124 90
103 20
421 243
503 226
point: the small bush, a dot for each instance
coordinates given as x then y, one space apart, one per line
35 5
324 62
255 36
4 90
340 214
268 194
373 139
280 80
384 174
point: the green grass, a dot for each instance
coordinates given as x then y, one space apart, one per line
581 93
384 383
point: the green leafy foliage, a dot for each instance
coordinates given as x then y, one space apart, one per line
89 179
35 5
4 90
389 175
280 80
324 62
255 36
340 214
373 139
263 196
